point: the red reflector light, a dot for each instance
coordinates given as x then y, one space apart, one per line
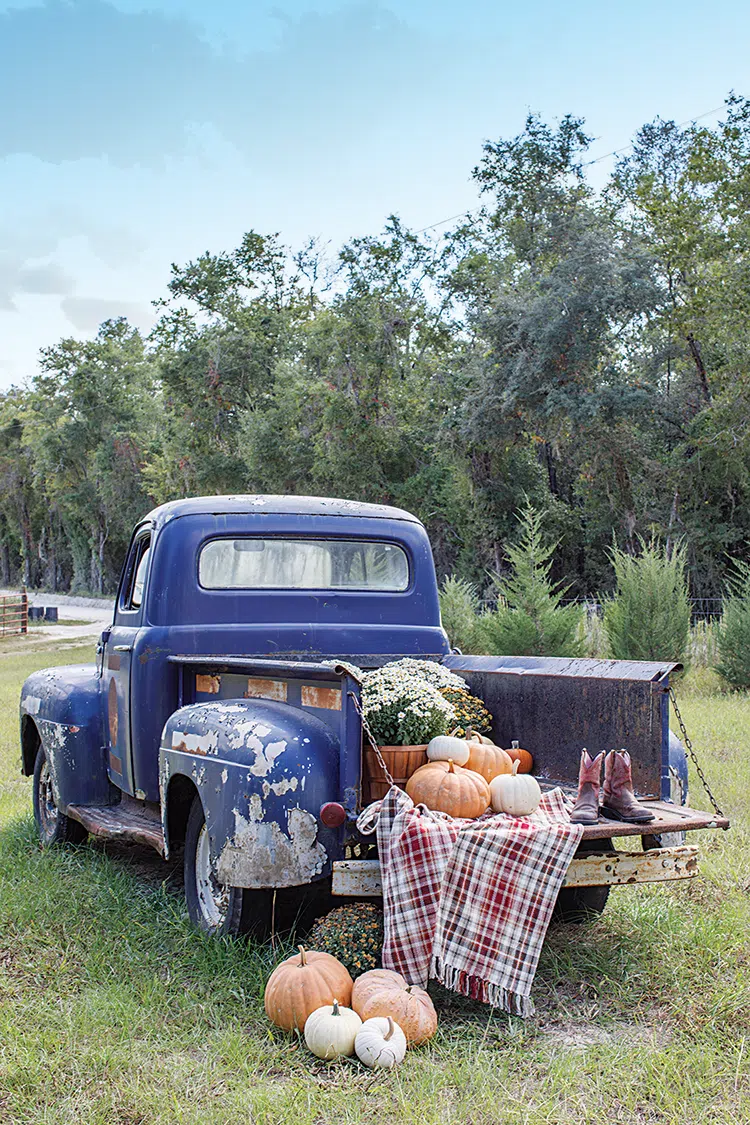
332 814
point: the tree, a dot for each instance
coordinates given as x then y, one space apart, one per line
530 619
648 617
90 412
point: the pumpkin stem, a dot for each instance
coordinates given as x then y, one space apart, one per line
516 764
454 732
514 744
335 1011
391 1029
302 960
450 766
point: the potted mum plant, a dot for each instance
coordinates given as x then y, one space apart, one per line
407 703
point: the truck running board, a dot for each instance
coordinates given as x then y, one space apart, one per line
129 820
360 878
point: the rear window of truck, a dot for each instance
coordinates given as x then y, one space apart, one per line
253 563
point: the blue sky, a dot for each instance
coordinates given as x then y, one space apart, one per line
133 136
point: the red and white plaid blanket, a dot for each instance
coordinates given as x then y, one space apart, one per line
468 902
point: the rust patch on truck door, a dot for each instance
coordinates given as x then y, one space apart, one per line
266 689
208 685
326 698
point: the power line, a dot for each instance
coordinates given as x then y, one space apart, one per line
680 125
586 164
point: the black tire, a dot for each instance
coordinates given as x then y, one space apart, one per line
580 904
53 826
214 908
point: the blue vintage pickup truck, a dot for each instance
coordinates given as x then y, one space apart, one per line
222 716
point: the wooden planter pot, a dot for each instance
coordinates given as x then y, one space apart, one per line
401 761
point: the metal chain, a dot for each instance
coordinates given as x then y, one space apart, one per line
371 738
693 755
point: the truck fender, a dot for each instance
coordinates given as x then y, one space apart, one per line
263 770
61 709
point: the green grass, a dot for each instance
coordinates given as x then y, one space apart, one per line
113 1011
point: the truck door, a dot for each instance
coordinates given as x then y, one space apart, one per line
118 661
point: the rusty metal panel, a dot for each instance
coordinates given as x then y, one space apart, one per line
208 685
357 877
258 688
326 698
360 878
554 714
656 866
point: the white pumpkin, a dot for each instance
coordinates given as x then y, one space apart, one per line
447 748
514 793
330 1031
380 1043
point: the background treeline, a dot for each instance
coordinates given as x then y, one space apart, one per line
587 353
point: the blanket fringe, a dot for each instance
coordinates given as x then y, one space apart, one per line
477 989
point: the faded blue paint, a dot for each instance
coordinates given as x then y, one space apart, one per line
64 705
258 764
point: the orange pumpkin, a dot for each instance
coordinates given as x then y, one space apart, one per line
448 788
374 981
302 984
523 757
485 758
410 1007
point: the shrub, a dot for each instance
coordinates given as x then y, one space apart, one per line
354 934
529 619
734 632
648 617
459 611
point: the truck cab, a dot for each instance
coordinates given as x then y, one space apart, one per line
215 691
222 713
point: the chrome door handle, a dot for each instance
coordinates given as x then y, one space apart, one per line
123 648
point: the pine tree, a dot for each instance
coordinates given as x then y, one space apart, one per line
530 619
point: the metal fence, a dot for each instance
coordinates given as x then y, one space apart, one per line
14 614
702 609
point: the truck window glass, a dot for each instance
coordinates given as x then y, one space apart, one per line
303 564
134 593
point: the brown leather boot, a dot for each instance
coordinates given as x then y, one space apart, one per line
618 798
586 809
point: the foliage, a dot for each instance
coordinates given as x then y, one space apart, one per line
448 373
734 633
470 712
648 617
407 702
352 934
459 612
402 708
529 619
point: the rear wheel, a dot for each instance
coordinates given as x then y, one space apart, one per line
213 907
53 826
580 904
218 909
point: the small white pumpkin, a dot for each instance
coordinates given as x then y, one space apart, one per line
447 748
380 1043
330 1031
514 793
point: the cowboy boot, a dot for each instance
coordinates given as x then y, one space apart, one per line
586 809
618 798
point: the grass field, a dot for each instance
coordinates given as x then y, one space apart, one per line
114 1012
